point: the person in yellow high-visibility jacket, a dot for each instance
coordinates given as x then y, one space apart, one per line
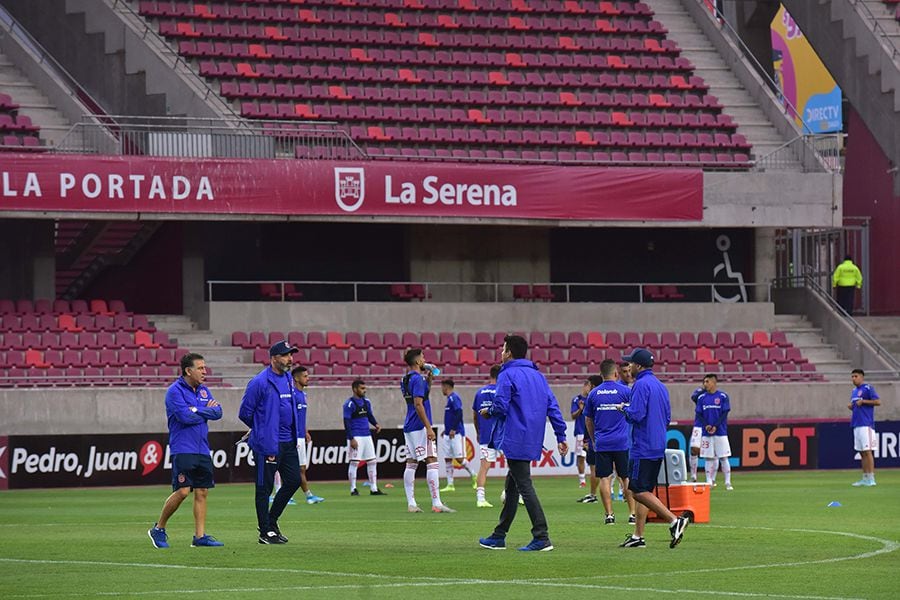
847 278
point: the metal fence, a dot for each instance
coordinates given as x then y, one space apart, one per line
467 291
192 137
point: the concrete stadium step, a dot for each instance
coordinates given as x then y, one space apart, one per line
886 330
33 103
813 345
737 102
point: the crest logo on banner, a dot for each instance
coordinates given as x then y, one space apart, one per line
349 187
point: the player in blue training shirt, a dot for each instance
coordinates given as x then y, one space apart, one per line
609 433
576 411
189 405
696 432
453 439
484 399
359 420
862 405
417 430
300 374
649 414
712 411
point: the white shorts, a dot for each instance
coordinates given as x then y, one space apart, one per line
864 439
696 434
301 452
715 446
488 454
452 447
419 446
365 448
579 445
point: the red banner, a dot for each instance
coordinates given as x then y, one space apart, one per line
116 184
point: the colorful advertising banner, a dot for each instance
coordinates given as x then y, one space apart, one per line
143 459
804 81
128 184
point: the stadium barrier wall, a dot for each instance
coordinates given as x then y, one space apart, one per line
141 410
144 459
479 316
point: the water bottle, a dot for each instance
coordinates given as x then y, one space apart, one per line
434 370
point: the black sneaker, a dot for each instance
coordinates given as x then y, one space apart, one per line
354 492
632 519
274 527
376 493
590 499
610 520
676 530
270 537
633 542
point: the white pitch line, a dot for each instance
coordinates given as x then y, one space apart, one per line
584 586
887 546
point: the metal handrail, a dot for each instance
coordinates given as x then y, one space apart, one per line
12 26
749 57
884 35
811 284
495 286
166 49
806 142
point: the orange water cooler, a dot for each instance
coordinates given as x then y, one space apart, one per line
679 495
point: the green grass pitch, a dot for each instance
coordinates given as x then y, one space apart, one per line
773 536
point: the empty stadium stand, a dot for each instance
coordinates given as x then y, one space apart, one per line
453 79
17 132
740 356
96 343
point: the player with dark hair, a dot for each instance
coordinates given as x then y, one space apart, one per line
862 405
453 439
484 399
522 405
359 420
189 405
713 406
576 411
608 432
304 439
417 430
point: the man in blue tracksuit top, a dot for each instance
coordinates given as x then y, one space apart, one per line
522 404
268 408
189 405
649 413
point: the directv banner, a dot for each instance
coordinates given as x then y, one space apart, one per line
143 459
128 184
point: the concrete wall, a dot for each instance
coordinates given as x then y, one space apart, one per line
448 316
33 412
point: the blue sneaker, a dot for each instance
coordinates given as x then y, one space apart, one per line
537 546
206 540
158 537
492 543
314 499
367 484
291 502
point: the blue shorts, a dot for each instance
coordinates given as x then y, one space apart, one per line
643 474
607 459
591 456
193 471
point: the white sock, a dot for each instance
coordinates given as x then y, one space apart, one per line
433 478
712 465
465 465
351 473
694 460
726 470
449 465
309 494
372 469
581 478
479 494
409 482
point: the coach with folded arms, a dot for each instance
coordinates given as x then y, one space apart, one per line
268 408
522 405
